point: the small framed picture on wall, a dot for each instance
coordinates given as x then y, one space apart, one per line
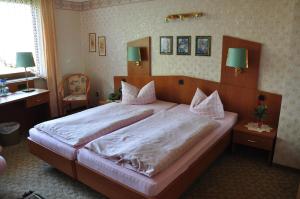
92 42
102 46
166 45
183 45
203 46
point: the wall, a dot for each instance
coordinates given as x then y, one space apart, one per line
68 37
288 142
270 22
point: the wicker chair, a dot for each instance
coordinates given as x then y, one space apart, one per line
74 90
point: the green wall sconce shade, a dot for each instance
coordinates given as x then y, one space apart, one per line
25 59
237 58
134 54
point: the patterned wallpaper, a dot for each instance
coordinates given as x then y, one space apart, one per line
268 22
288 142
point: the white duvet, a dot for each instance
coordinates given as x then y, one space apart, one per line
151 145
79 128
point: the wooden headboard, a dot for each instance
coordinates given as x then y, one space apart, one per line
181 89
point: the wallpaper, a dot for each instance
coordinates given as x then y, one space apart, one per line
270 22
288 141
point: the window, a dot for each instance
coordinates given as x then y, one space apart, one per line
20 32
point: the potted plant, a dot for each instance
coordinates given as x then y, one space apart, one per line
260 111
115 96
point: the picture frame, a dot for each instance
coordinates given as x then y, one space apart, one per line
183 45
102 45
203 46
92 42
166 45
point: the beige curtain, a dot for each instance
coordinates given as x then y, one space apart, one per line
49 43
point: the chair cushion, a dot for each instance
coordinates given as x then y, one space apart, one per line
75 97
77 84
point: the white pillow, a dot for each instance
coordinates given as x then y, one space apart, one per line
210 106
132 95
198 98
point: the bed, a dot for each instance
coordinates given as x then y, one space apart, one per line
105 176
62 155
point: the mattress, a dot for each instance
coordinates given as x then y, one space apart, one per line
153 186
68 151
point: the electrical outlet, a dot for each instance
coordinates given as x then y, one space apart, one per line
181 82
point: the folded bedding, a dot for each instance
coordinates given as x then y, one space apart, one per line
80 128
153 144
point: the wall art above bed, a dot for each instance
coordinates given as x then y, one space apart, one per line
203 45
183 45
166 45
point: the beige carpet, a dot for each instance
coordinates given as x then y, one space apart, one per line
240 175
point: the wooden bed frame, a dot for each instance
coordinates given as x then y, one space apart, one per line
179 89
61 163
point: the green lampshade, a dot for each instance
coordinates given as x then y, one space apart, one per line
134 54
237 58
24 59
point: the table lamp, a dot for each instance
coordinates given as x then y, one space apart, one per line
134 54
238 59
25 59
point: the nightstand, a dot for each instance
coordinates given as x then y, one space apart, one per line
261 140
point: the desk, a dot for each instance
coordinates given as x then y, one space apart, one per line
26 108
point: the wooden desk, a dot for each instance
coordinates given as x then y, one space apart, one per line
26 108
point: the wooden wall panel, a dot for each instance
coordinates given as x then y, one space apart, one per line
234 98
144 69
248 78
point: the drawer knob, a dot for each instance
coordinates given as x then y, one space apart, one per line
253 141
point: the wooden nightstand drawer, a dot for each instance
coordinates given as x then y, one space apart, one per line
37 100
253 141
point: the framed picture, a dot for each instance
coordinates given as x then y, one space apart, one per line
184 45
92 42
102 46
166 45
203 46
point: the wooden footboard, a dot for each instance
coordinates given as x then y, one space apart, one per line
59 162
116 190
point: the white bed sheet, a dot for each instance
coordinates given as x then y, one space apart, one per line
153 186
70 152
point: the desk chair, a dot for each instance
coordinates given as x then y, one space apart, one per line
74 89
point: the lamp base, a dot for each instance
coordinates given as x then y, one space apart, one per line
28 90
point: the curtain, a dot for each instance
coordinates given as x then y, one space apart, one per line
50 55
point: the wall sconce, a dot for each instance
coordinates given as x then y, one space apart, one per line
238 59
183 16
134 54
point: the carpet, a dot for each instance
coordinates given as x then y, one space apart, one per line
244 174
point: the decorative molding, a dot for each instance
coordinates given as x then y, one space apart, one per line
92 4
68 5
